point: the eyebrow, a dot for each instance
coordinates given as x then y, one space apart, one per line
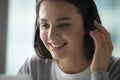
59 19
63 19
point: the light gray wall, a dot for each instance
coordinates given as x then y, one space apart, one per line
3 33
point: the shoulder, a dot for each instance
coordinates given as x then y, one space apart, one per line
114 62
34 65
114 68
35 60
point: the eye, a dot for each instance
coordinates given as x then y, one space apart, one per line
64 25
44 25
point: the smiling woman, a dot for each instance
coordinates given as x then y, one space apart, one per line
61 40
71 43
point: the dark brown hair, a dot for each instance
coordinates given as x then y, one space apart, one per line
86 8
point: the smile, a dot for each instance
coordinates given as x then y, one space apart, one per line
56 47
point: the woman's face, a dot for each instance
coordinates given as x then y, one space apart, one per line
61 29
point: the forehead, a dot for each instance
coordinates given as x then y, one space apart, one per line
56 8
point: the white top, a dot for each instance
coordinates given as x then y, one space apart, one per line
47 69
58 74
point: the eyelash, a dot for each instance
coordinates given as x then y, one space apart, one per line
64 25
45 25
61 25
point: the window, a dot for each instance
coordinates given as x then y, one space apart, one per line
109 13
21 19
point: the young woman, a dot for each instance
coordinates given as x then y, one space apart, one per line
71 43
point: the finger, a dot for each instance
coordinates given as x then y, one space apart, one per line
105 32
103 39
97 38
109 41
100 28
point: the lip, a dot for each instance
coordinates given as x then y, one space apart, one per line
58 48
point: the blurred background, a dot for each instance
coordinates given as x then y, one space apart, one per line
17 18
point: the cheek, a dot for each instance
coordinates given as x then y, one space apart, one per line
77 33
77 37
44 39
43 36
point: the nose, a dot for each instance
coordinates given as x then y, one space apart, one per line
54 34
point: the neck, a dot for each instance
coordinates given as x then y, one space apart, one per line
74 65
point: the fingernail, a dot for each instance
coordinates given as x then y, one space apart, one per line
91 31
95 22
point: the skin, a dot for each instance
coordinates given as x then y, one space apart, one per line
103 48
63 35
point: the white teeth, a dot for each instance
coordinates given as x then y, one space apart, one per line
56 46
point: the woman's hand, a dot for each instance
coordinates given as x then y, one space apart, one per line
103 48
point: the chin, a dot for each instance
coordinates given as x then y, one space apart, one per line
58 57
